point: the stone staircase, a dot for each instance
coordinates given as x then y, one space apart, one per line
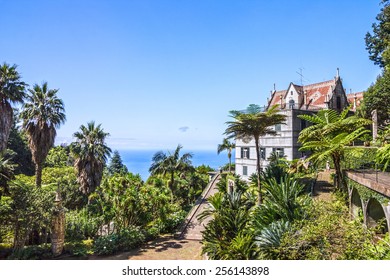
192 228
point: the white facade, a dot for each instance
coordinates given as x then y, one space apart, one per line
295 101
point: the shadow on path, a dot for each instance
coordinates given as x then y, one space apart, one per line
164 248
323 187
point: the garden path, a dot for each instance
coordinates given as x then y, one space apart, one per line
323 187
186 245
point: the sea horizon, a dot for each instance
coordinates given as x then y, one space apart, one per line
138 161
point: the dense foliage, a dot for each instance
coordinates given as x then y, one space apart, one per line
378 42
375 97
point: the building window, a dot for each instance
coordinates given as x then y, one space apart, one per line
278 127
262 153
245 170
278 151
291 104
245 153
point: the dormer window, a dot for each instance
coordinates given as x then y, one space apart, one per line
291 103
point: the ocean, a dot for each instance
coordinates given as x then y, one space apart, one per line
139 161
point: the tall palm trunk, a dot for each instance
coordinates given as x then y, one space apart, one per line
258 169
6 116
38 174
230 161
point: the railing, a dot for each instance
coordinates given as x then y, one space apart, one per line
368 169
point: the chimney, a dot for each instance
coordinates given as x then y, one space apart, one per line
327 101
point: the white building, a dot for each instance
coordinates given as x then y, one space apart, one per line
295 100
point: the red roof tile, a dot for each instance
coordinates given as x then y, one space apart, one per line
317 93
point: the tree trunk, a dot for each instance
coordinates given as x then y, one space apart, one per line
6 116
230 161
339 174
38 175
20 237
258 170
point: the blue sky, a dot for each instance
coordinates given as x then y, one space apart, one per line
159 73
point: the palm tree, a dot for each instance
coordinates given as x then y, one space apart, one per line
11 91
228 146
7 168
253 124
42 113
90 153
170 164
330 135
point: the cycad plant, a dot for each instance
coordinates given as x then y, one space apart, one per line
227 235
42 114
285 202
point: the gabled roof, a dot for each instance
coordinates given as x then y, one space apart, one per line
316 94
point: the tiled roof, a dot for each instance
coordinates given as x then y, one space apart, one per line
276 96
316 94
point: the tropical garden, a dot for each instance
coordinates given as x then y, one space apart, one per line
107 208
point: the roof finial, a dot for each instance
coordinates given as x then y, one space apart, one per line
338 73
274 87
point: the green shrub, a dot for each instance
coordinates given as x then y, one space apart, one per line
79 248
5 250
81 225
106 245
330 234
152 232
130 238
173 221
126 239
33 252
